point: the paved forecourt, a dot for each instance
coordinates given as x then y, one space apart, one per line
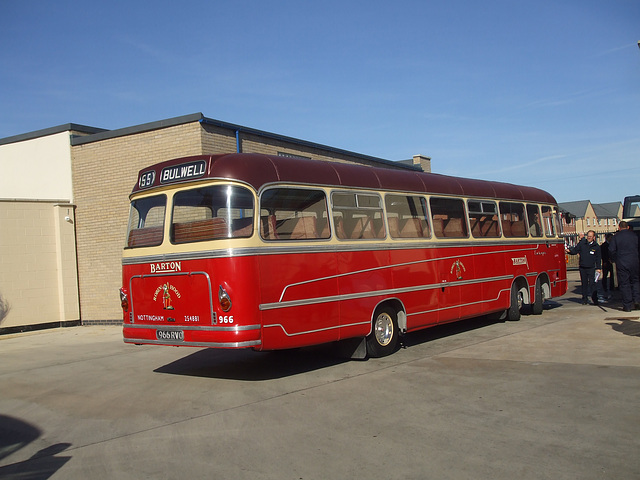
551 396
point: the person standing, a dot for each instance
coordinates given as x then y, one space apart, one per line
624 252
590 264
607 266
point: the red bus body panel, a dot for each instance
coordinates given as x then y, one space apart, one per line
312 298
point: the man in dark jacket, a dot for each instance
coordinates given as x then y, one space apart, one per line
590 264
624 252
607 266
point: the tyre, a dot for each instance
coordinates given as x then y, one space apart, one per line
384 335
537 305
513 314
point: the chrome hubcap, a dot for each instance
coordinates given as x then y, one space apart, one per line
520 300
383 329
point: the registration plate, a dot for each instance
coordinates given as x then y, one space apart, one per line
170 335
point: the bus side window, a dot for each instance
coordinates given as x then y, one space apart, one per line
293 214
547 221
358 216
407 216
483 217
146 222
533 216
512 216
449 217
211 213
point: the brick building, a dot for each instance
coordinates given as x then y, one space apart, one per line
79 191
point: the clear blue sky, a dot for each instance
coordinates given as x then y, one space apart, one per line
543 93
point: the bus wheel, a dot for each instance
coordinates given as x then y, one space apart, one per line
536 306
513 314
383 338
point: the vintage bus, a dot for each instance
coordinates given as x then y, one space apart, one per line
268 252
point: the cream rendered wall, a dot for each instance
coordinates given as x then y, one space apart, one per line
38 279
38 268
39 168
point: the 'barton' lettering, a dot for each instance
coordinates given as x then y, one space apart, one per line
166 267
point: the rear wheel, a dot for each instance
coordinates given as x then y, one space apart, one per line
517 300
537 305
383 338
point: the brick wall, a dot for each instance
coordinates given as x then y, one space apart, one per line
104 172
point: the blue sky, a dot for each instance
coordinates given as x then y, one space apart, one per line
543 93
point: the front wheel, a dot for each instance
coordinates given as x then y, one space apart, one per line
383 338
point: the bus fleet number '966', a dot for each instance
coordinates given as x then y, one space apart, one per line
225 319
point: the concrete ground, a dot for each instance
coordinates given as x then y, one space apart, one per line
554 396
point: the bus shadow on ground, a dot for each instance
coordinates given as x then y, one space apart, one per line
249 365
462 326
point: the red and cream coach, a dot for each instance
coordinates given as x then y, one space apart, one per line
265 252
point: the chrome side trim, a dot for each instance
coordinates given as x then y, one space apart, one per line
279 325
237 328
251 343
375 293
463 304
395 265
271 249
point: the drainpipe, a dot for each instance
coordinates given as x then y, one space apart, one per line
238 149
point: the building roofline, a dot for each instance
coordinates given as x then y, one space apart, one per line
199 117
305 143
94 134
145 127
67 127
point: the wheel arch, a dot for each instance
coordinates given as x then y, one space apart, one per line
522 285
398 306
545 284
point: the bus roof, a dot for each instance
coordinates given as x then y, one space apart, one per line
258 170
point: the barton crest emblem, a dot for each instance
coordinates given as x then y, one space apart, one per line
164 291
459 268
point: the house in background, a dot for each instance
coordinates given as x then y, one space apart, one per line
583 216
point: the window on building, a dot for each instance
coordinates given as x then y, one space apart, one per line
292 155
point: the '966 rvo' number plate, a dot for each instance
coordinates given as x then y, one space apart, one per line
168 335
